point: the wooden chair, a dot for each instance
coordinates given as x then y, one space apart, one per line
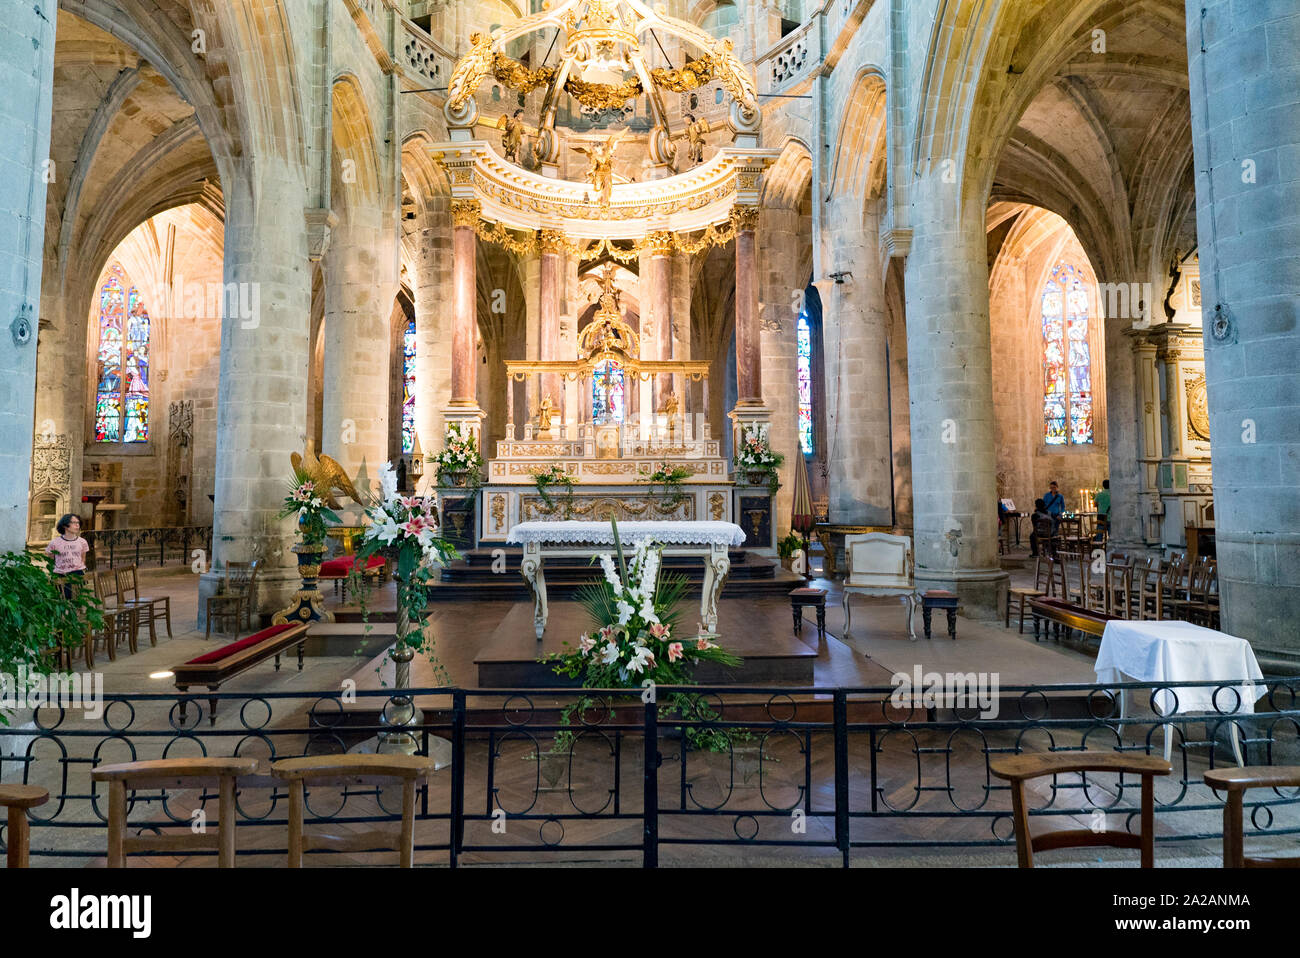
1148 585
1018 769
1199 608
1056 579
17 799
1172 586
125 619
1119 590
236 599
345 770
1183 602
1235 781
174 773
879 564
1071 574
152 608
1021 595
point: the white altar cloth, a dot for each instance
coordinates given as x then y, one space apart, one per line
708 540
602 533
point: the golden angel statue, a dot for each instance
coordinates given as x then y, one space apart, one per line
601 171
326 474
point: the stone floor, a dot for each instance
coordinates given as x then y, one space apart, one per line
878 647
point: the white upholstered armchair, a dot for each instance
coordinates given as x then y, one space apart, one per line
879 564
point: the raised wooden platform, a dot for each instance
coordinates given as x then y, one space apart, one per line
758 631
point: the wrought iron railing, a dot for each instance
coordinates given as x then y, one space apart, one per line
153 546
825 773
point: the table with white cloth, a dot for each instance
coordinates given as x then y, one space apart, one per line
1177 651
708 540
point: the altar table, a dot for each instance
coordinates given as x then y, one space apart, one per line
1176 651
708 540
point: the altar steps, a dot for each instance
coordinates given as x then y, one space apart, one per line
493 573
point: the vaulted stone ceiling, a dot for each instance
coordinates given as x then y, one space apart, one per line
125 146
1107 142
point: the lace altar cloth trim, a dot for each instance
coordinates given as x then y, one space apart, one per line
570 532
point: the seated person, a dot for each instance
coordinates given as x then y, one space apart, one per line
1055 504
1044 528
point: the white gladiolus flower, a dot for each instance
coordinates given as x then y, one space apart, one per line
610 655
388 480
624 612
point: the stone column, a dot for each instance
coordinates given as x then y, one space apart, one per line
855 334
433 328
262 393
464 405
27 71
954 462
1246 135
359 292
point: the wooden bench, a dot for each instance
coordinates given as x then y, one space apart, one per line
213 668
1018 769
1069 615
173 773
16 799
350 770
1236 781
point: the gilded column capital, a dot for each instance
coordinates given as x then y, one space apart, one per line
744 218
466 213
551 241
659 243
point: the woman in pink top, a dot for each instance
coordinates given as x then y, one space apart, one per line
68 548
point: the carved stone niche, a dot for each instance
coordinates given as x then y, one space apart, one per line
51 486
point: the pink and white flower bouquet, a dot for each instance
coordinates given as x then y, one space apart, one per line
636 640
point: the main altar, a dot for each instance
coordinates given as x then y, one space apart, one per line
609 420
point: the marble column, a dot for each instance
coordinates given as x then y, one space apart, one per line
550 249
659 310
749 354
464 405
1246 136
27 71
359 292
954 461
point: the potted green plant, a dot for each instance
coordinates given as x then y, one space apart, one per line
39 612
786 547
459 465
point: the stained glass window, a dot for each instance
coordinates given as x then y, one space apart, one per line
122 377
408 388
607 396
803 340
1067 360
